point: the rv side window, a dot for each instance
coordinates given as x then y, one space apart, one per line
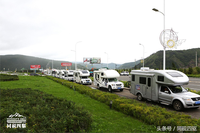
161 78
174 74
149 82
142 80
133 77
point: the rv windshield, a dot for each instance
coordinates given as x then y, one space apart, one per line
84 77
177 89
112 80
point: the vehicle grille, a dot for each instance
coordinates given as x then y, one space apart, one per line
118 84
196 99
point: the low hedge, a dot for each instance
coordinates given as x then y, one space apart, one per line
194 75
43 112
154 115
5 77
126 83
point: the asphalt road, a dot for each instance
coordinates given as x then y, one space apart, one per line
194 83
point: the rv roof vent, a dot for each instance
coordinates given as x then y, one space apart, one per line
144 68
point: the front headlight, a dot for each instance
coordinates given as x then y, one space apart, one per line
113 84
187 99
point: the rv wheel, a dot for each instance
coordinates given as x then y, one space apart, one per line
177 105
98 86
139 97
110 89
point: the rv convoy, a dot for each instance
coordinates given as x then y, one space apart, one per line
162 86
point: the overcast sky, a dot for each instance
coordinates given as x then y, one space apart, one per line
51 28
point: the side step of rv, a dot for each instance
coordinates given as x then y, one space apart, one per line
164 103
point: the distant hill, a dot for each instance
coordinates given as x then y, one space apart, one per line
129 65
12 62
174 59
97 66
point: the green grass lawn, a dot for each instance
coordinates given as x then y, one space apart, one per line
104 118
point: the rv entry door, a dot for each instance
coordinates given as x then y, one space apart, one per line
148 88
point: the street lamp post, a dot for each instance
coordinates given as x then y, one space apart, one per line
75 54
143 54
156 10
107 58
52 65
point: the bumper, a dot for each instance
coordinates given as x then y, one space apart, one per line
70 79
117 88
193 104
87 83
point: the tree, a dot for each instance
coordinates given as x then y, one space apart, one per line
190 70
173 66
198 70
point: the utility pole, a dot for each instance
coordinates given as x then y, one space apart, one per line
196 59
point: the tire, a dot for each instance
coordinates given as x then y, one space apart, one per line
98 87
177 105
110 89
139 97
121 90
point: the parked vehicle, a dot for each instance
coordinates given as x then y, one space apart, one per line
34 74
69 75
124 73
61 74
82 77
54 72
163 86
107 79
57 75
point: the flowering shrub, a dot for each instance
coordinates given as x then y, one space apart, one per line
5 77
194 91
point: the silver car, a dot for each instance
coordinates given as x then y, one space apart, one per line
178 97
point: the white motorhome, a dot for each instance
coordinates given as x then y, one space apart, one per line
82 77
54 72
47 71
69 75
163 86
57 75
61 74
107 79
